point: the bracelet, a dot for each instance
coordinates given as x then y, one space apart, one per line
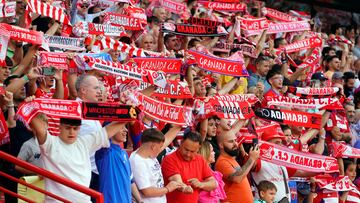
26 78
11 106
167 190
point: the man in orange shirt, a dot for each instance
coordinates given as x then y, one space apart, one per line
237 186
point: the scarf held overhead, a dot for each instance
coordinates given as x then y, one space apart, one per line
194 30
7 9
129 71
292 102
166 112
167 65
284 156
219 65
310 120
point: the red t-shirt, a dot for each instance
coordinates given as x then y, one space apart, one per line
197 168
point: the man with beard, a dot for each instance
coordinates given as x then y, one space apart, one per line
237 186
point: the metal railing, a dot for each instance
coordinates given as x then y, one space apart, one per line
46 174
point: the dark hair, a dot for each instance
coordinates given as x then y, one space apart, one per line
152 135
334 27
10 78
193 136
348 75
261 58
192 42
8 61
285 127
196 78
347 163
70 121
96 20
265 185
277 42
328 59
152 19
274 71
326 50
168 36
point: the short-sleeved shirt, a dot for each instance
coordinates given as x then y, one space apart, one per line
115 174
30 152
254 79
147 173
197 168
235 192
71 161
239 90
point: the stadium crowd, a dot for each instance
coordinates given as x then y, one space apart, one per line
180 101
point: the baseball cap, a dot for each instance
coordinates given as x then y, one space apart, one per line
318 76
271 134
337 75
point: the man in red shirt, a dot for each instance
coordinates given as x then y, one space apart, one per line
189 168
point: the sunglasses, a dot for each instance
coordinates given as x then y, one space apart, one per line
84 6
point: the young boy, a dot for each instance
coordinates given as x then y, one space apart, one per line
267 191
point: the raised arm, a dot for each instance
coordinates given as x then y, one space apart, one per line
37 126
240 173
170 136
59 91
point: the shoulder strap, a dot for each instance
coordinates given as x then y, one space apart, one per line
285 182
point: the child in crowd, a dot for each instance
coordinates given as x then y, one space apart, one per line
267 191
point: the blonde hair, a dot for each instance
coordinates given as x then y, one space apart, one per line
205 150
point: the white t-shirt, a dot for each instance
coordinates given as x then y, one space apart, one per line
273 173
147 173
87 127
71 161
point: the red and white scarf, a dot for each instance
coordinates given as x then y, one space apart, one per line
312 92
7 9
250 25
173 6
340 183
220 6
4 41
219 65
301 45
278 15
109 43
24 35
250 98
312 61
86 28
311 103
282 27
69 43
128 22
128 71
167 65
284 156
4 131
231 109
341 150
55 59
166 112
175 89
47 10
